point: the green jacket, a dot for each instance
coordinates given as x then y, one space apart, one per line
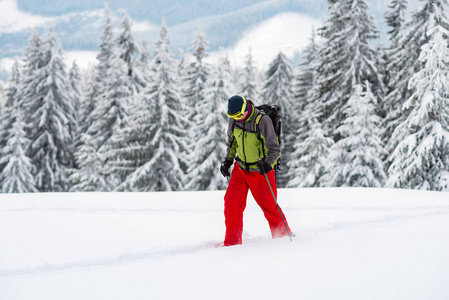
244 145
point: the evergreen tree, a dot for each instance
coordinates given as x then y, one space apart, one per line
49 115
209 139
278 91
421 159
75 83
196 75
97 85
302 90
163 169
110 116
16 176
142 72
77 95
11 91
111 109
12 96
129 143
12 99
110 97
309 161
404 63
355 159
182 64
395 18
127 49
90 176
127 46
344 60
248 77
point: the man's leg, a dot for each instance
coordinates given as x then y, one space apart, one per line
262 194
235 203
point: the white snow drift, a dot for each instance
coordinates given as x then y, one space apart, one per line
349 244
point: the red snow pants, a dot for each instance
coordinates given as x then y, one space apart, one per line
235 203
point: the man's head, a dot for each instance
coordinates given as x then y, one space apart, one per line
237 106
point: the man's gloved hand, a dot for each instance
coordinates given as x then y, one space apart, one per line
224 169
264 167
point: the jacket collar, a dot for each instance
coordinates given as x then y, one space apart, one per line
252 112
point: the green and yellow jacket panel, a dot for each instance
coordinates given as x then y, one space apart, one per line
244 145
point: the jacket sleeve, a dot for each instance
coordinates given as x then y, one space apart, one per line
271 141
231 143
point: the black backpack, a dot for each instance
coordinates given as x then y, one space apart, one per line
274 112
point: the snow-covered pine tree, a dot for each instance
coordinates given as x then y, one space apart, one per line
75 83
309 161
210 135
90 176
278 91
49 115
404 63
196 75
127 46
11 97
304 82
345 59
355 160
142 73
421 159
127 49
129 144
305 78
11 92
112 104
16 175
96 84
249 85
111 115
33 60
165 160
395 18
182 64
110 96
77 96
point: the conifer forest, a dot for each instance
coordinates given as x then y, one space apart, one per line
353 114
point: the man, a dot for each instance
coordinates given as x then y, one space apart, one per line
256 151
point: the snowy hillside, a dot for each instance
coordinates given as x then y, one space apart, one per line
79 25
349 244
226 24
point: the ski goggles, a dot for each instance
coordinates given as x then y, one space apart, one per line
239 115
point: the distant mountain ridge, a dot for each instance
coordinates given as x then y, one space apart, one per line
79 24
174 11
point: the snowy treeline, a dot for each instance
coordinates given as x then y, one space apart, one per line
353 115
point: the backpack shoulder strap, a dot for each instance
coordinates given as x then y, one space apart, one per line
259 116
257 122
257 130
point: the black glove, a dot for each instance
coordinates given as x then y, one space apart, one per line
264 167
224 169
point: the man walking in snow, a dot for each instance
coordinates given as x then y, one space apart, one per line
252 142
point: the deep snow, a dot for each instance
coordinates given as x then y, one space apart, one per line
349 244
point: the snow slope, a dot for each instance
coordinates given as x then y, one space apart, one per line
349 244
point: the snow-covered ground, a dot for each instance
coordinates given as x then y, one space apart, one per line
350 244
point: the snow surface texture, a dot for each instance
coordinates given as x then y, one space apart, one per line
350 244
